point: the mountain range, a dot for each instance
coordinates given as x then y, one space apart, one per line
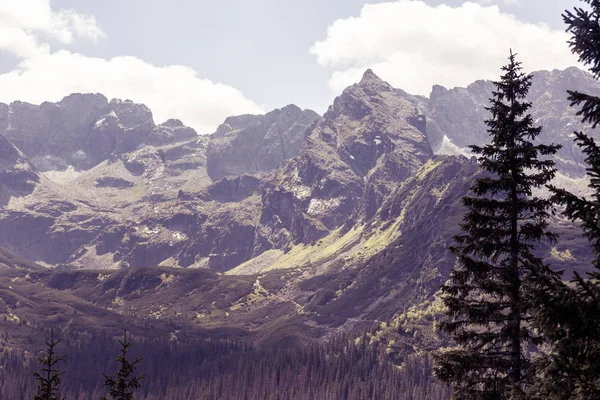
283 226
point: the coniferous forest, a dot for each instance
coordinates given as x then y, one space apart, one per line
344 368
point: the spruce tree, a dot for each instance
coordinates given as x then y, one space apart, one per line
488 294
48 377
122 384
568 316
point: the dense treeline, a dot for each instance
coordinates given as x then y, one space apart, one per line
342 368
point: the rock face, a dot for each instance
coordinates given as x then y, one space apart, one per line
232 189
17 175
53 133
551 110
339 221
151 194
172 212
417 219
83 130
139 194
171 131
369 140
38 219
459 113
251 144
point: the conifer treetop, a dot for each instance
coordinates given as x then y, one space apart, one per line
488 295
49 375
122 384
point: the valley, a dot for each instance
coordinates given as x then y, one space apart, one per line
282 229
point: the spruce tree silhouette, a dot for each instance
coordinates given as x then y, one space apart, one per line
49 376
569 315
489 292
122 384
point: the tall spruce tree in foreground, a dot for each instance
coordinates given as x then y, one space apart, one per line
122 384
48 377
488 293
569 315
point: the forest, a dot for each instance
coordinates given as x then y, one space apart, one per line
343 368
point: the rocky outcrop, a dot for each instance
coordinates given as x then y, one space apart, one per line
148 161
17 176
418 220
369 140
171 131
53 135
232 189
51 231
230 236
252 144
459 113
83 130
551 110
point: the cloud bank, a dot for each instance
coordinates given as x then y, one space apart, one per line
30 29
413 45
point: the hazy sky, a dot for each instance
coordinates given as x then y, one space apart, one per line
201 61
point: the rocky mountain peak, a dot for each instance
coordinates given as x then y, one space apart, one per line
237 122
456 116
84 129
369 140
373 84
437 90
84 101
172 131
250 144
358 101
371 78
172 123
557 82
132 114
291 109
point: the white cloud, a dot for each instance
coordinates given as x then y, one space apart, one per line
36 18
170 92
414 45
20 43
505 2
28 26
68 23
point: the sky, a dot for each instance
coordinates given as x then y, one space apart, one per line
201 61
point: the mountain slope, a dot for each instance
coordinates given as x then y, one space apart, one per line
321 224
459 113
251 144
